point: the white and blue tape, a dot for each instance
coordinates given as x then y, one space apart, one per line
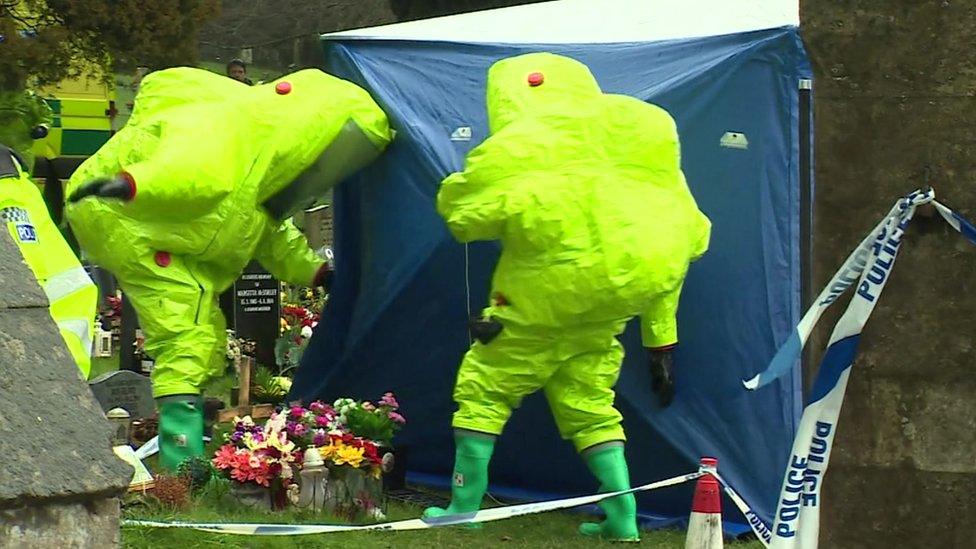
867 269
484 515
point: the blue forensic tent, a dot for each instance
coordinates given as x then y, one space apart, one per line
733 75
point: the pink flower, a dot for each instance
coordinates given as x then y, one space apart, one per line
397 418
300 430
297 411
319 407
262 475
389 400
322 421
225 458
239 475
368 406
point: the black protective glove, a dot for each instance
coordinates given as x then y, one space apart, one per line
662 379
121 186
484 329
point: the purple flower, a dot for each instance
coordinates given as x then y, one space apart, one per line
237 436
300 430
397 418
319 438
389 400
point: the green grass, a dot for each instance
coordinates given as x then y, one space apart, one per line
101 366
541 530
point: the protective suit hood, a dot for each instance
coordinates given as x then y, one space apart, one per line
536 83
292 139
315 153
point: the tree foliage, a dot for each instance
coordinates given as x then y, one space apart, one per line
284 32
45 41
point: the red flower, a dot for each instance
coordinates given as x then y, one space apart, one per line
371 453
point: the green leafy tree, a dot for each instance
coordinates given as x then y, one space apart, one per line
45 41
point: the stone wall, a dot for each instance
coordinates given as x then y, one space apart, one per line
895 107
93 525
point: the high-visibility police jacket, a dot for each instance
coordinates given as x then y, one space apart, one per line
72 295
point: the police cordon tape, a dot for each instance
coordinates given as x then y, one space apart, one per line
867 269
484 515
759 527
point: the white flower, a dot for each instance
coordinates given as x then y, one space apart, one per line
306 332
387 462
343 405
376 514
293 494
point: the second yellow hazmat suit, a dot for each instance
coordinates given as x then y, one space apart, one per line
586 195
209 171
71 293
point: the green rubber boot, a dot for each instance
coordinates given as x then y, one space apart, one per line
608 464
470 475
180 429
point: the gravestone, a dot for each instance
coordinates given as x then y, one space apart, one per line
60 479
318 227
124 389
257 311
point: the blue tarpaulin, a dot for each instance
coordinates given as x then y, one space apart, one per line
404 288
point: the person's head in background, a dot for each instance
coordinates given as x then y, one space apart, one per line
237 70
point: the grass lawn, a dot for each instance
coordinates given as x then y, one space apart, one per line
545 530
101 365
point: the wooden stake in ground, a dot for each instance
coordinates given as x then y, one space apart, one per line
244 373
244 367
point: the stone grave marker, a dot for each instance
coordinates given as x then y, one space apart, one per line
124 389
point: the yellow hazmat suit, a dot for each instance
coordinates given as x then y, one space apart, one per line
210 170
586 195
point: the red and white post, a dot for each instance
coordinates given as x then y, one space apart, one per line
705 523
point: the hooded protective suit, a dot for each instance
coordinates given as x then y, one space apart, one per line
597 225
71 293
210 170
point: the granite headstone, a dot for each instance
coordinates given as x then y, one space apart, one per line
124 389
257 311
